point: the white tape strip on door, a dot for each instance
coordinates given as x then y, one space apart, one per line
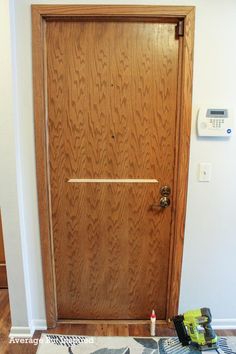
109 180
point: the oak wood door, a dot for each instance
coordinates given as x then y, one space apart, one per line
112 108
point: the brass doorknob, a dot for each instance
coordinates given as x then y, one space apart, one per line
164 203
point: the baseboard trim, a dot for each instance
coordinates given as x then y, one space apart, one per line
226 323
28 332
21 332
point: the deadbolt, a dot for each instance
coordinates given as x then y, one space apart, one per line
165 191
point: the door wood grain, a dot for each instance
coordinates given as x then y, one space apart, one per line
112 97
114 92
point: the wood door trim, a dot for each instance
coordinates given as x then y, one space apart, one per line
111 10
3 269
184 113
41 13
3 276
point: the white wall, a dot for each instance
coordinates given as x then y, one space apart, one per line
208 276
9 193
210 243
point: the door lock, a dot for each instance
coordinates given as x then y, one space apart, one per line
164 203
165 191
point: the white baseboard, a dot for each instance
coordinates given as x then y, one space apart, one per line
21 332
28 332
227 323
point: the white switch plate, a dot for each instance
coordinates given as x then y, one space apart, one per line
204 172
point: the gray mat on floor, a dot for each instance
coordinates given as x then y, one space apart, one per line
62 344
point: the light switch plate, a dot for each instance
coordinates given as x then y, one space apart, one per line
204 172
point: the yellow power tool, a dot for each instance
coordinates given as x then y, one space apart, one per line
194 328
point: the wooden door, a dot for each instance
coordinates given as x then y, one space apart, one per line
3 272
112 98
112 93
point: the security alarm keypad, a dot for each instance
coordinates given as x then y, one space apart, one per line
214 122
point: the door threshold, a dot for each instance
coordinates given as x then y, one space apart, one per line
113 322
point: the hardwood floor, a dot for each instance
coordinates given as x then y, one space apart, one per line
82 329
